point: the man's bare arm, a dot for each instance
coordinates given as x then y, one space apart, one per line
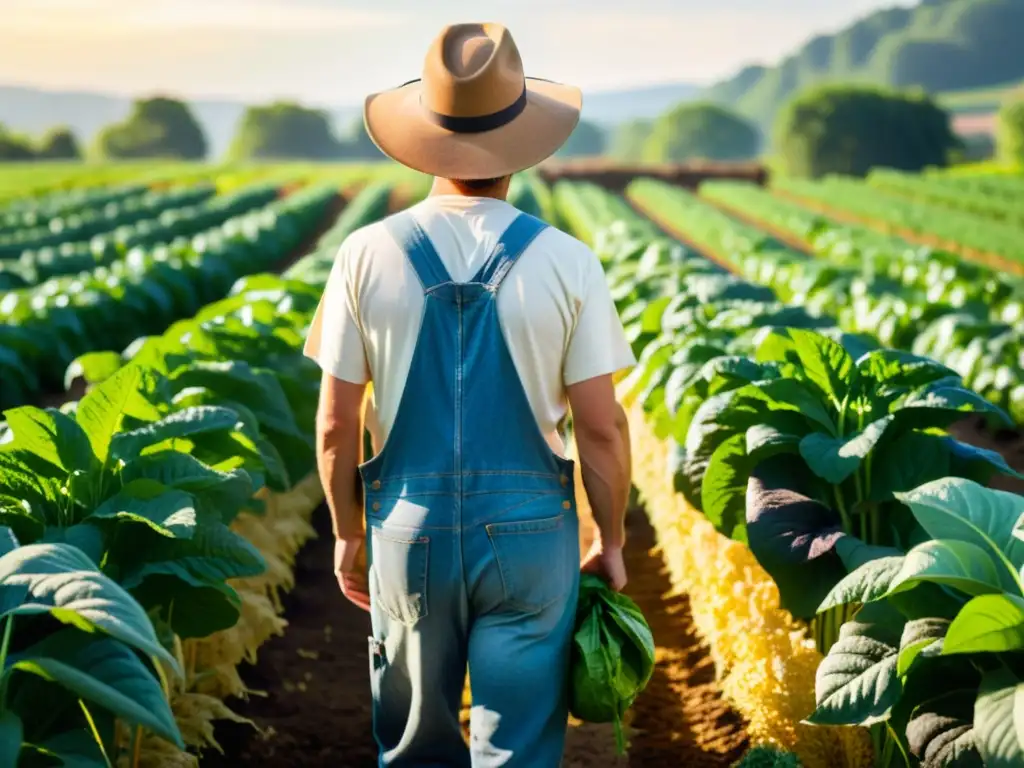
339 438
602 440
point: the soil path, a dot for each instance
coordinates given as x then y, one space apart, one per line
316 712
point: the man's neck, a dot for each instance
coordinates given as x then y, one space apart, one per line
440 186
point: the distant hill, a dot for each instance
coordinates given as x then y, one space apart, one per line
643 103
939 45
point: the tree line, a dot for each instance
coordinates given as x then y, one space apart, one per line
844 129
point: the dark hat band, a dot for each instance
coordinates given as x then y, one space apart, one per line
477 123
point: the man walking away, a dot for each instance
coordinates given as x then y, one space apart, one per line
479 327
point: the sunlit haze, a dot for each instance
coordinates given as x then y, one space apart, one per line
334 52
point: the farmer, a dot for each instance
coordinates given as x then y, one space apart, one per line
478 327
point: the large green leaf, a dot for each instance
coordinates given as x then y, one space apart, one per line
106 672
217 492
836 458
76 749
856 683
185 423
22 479
936 712
898 369
724 487
167 511
61 580
920 636
8 541
102 410
785 395
999 720
954 508
940 731
988 624
11 734
891 473
51 436
869 582
257 389
214 554
949 562
823 361
94 367
169 574
940 406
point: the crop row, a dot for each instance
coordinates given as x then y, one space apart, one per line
172 215
129 501
30 213
913 298
832 465
1004 186
43 328
973 199
964 232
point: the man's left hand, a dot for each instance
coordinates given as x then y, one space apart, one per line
351 570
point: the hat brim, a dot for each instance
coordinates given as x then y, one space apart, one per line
402 130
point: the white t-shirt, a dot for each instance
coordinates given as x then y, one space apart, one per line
554 308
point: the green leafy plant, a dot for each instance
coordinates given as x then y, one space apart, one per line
76 652
845 427
946 675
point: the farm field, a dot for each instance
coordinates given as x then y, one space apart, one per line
829 393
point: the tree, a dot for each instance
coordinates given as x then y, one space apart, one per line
285 130
156 128
14 147
628 140
851 129
701 130
1010 132
357 144
587 140
59 144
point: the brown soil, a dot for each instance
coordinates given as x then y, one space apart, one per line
316 707
681 719
316 713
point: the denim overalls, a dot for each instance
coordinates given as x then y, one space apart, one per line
472 538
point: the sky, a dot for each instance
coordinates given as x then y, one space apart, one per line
333 52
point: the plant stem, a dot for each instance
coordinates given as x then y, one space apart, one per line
5 645
95 732
841 506
136 746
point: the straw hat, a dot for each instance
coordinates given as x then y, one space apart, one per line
473 114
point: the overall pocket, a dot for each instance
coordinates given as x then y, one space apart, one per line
534 560
399 574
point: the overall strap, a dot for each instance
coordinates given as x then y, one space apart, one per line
418 248
513 241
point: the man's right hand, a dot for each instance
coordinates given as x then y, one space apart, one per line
606 562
